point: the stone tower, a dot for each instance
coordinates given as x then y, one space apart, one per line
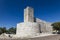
31 27
28 14
28 27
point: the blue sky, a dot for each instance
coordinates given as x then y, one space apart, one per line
11 11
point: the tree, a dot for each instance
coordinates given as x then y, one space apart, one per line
0 30
3 30
12 30
56 26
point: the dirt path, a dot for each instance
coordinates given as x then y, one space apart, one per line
53 37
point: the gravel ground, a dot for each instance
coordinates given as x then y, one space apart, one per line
52 37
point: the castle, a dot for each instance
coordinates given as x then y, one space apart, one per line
32 26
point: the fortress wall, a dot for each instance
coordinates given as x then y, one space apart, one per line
27 29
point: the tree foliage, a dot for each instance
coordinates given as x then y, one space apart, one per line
56 26
11 30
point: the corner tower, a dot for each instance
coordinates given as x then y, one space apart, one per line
28 14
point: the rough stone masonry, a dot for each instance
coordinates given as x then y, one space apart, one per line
32 26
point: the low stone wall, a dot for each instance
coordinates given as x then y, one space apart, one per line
52 37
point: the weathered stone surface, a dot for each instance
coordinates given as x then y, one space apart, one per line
52 37
28 14
44 26
27 29
32 26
